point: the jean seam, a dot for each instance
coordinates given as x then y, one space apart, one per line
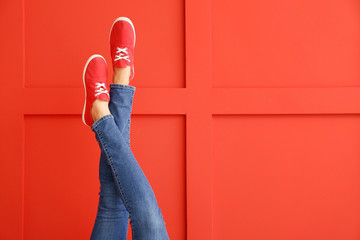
112 167
129 122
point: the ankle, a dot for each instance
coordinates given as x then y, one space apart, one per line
121 75
99 109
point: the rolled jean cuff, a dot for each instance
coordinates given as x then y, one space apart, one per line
100 120
123 86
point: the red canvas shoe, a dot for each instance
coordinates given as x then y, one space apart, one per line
95 85
122 44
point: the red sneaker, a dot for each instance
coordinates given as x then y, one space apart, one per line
122 44
95 85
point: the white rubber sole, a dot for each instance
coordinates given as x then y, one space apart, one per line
86 65
132 25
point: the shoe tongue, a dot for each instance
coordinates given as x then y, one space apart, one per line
104 97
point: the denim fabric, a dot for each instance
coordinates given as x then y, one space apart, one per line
125 192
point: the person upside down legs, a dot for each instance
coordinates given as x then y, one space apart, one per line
125 192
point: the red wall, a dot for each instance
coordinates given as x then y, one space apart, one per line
245 119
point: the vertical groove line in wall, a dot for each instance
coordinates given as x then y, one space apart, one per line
23 125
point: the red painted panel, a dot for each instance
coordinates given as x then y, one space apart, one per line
11 154
286 177
60 37
60 178
299 43
61 173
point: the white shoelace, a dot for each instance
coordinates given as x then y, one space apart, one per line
101 89
121 52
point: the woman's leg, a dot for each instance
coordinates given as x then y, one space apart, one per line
121 100
135 190
112 220
112 133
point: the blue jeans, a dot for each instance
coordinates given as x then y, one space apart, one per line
125 192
